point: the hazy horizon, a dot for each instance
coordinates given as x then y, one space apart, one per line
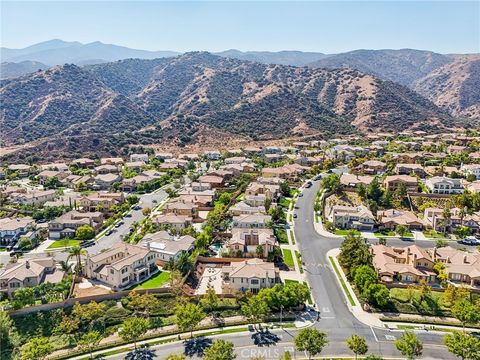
314 26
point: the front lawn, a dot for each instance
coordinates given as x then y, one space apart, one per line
433 234
411 303
299 261
156 281
288 258
64 243
385 232
284 203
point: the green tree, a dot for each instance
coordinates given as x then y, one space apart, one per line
146 211
377 294
364 276
463 231
143 304
77 252
466 312
285 189
354 252
440 243
277 213
409 345
37 348
219 350
332 183
84 232
210 300
89 341
401 230
358 345
374 191
188 316
23 297
463 345
310 340
9 337
225 198
256 309
133 328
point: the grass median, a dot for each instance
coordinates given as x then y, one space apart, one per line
342 282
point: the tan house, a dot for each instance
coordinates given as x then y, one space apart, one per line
102 201
246 241
252 221
29 273
351 180
390 219
166 246
407 169
249 275
182 208
351 217
214 181
393 182
122 265
177 222
66 224
34 197
373 167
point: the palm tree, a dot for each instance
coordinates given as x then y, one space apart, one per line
77 251
447 215
65 266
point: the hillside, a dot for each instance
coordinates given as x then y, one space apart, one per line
10 70
403 66
196 95
294 58
454 86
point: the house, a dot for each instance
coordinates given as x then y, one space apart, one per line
121 266
11 229
84 163
456 149
62 167
286 172
235 160
112 161
167 247
373 167
201 186
468 169
29 273
351 180
212 155
270 191
105 181
164 155
34 197
243 208
273 158
73 181
392 182
408 169
65 225
444 185
106 169
409 158
23 170
409 264
434 218
102 201
190 157
182 208
45 175
254 221
351 217
249 275
139 158
134 165
177 222
246 241
474 187
221 173
214 181
133 183
390 219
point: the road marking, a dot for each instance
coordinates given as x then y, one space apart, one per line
374 335
327 317
390 337
325 310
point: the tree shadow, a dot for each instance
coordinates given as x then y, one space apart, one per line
143 353
265 338
196 346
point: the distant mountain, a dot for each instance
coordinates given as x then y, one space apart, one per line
403 66
11 70
195 97
57 52
454 86
294 58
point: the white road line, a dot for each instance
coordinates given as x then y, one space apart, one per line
374 335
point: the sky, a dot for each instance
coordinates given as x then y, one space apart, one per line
320 26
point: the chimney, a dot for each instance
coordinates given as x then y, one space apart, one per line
464 259
27 264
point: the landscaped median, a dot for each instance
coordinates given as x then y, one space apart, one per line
288 258
342 282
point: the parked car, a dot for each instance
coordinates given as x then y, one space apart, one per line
109 232
128 215
472 241
294 216
120 223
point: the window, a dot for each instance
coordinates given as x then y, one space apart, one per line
125 279
254 282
